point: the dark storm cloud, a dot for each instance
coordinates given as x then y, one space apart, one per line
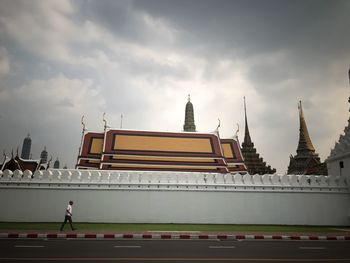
309 34
124 20
258 26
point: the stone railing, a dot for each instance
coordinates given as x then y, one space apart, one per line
143 180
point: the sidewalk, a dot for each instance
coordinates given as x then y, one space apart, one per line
175 235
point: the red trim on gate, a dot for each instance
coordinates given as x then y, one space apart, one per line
108 236
32 235
146 236
185 236
51 236
259 237
165 236
294 237
203 236
240 237
71 236
222 236
128 236
13 235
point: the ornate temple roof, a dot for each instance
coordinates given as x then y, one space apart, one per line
17 163
188 151
117 149
233 155
91 150
255 164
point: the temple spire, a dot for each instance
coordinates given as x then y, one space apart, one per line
305 145
306 161
255 164
189 125
247 139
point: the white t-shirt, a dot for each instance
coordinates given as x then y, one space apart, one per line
69 210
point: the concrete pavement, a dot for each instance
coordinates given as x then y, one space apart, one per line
33 234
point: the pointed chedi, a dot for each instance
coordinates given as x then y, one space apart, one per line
306 161
189 125
255 164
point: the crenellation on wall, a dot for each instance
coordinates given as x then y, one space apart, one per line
171 180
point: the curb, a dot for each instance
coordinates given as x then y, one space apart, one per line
166 236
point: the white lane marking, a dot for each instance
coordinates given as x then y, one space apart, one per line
28 246
127 246
312 247
222 247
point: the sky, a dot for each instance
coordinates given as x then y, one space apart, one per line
60 60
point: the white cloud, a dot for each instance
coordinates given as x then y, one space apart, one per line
159 28
39 26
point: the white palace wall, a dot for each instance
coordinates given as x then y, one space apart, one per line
334 167
170 197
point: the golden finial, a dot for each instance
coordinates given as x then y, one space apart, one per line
236 133
83 123
217 128
105 122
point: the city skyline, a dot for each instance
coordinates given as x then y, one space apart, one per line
60 60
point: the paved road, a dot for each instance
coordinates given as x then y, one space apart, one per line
172 251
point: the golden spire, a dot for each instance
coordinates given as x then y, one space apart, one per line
305 144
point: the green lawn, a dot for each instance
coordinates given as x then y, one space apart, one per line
171 227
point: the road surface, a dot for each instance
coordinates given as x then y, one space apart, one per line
75 250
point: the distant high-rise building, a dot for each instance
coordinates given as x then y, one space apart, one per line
27 144
43 156
255 164
56 165
306 161
189 125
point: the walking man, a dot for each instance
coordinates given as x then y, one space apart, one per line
68 216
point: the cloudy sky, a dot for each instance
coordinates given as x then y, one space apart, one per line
63 59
